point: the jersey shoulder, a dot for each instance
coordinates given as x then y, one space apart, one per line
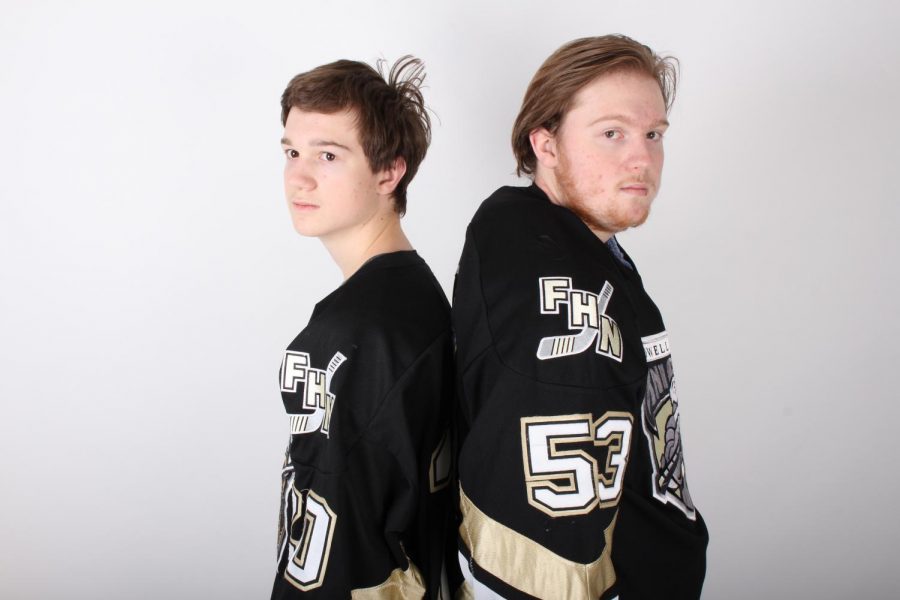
548 293
398 299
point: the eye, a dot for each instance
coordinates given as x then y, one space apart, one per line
291 153
612 134
655 135
327 156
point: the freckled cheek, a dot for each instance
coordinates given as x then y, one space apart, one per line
587 173
595 186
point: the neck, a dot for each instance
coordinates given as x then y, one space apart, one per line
380 236
548 183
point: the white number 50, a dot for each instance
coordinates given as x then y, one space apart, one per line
308 557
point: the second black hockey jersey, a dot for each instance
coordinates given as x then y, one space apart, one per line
571 471
367 388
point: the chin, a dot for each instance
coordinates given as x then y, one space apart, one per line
638 215
638 220
642 215
305 229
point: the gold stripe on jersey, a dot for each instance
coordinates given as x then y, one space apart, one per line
400 585
525 565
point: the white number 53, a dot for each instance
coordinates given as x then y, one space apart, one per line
562 475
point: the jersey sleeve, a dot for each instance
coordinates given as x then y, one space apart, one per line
413 426
660 550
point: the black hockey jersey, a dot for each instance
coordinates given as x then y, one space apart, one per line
571 477
367 386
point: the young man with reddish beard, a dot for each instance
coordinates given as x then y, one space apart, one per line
367 384
563 361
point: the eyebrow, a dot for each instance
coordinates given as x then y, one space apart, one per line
628 120
317 144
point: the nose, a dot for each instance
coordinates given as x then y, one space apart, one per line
297 176
640 154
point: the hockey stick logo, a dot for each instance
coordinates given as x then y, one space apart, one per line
317 394
586 314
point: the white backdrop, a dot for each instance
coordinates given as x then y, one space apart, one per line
151 277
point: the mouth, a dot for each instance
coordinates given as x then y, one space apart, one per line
303 206
636 189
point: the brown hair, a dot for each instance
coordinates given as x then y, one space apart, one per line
390 112
570 68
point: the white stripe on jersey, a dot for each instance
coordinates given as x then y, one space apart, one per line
479 590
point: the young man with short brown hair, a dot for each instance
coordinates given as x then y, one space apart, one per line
367 383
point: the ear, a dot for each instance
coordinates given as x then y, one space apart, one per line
543 143
391 176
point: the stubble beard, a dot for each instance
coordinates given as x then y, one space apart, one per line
599 219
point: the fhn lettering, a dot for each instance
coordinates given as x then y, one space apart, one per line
586 311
